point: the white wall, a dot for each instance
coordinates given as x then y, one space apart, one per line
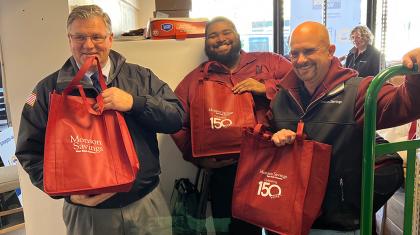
125 15
34 44
147 7
171 61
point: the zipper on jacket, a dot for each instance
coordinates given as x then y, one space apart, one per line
310 105
298 104
342 189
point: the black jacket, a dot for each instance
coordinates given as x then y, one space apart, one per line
156 109
329 120
367 64
335 116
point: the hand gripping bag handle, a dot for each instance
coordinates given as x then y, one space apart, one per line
261 130
75 83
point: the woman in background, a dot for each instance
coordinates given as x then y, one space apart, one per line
363 57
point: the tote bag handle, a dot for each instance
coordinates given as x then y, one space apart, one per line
75 83
261 130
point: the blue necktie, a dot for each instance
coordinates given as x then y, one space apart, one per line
95 81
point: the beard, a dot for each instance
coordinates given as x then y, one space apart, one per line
227 59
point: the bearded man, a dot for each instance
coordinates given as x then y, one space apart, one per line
254 72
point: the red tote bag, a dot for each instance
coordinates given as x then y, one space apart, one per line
86 151
280 188
218 118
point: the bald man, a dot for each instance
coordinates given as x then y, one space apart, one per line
329 100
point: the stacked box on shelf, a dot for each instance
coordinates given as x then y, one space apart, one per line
173 8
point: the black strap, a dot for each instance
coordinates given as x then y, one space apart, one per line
202 183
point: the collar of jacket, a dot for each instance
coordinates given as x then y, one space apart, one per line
216 67
69 70
334 79
368 49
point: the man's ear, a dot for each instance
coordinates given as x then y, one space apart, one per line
111 37
331 50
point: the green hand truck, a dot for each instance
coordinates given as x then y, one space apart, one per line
371 149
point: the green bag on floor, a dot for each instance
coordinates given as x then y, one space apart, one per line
188 205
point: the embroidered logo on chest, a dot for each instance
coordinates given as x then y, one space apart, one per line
332 101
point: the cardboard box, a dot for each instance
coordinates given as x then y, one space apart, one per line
173 5
171 14
176 28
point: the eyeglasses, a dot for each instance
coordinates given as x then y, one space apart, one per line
81 38
294 54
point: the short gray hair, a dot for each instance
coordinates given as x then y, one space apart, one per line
365 33
89 11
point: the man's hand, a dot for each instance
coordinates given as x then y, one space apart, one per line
251 85
283 137
117 99
209 163
87 200
411 57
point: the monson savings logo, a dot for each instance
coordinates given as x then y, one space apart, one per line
81 145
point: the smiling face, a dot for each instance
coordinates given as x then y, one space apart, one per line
222 43
358 40
89 37
311 53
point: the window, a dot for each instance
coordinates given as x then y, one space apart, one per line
253 19
397 28
342 17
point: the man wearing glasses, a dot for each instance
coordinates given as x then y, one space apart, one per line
149 106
